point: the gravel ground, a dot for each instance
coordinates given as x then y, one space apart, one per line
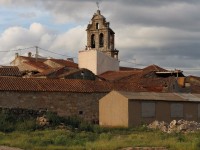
8 148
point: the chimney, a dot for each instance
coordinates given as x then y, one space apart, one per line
16 55
29 54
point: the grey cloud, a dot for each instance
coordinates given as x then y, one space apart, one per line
173 42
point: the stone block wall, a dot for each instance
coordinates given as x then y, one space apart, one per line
83 105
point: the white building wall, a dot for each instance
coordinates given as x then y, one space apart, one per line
97 61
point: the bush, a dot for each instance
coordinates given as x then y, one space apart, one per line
27 125
10 122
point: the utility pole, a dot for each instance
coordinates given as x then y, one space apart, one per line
36 53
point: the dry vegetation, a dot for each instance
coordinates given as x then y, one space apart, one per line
75 134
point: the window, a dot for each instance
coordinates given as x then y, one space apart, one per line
101 41
148 109
176 110
92 41
80 112
97 25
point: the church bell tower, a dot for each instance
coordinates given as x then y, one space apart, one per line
100 36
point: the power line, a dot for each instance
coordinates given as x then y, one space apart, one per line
39 48
17 49
133 63
138 64
55 53
185 69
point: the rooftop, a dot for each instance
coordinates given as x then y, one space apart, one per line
10 71
161 96
53 85
66 63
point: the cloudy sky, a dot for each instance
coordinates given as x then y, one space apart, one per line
161 32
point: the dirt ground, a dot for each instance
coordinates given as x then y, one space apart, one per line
8 148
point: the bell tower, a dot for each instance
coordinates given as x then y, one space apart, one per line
100 54
100 36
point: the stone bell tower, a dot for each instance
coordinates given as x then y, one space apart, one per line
100 36
100 54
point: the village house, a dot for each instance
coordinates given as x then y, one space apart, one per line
127 109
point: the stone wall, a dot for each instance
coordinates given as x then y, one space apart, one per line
83 105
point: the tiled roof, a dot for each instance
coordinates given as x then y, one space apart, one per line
118 75
154 68
71 72
57 72
160 96
195 89
10 71
53 85
33 59
127 86
65 63
47 72
128 75
38 65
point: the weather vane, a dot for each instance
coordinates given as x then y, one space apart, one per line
97 4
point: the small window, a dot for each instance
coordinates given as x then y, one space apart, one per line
148 109
177 110
97 25
80 112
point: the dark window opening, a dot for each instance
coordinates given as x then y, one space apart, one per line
80 112
93 41
97 25
101 40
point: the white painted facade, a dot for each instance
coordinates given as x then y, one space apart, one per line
97 61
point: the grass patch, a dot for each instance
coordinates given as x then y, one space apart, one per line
64 139
23 132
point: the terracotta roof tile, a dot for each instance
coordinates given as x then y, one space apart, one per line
10 71
65 63
154 68
118 75
54 85
38 65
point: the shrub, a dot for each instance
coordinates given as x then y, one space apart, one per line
27 125
61 140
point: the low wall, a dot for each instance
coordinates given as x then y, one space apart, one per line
83 105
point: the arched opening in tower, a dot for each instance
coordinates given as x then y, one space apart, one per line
97 25
92 41
101 40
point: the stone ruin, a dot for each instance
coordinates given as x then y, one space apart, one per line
180 126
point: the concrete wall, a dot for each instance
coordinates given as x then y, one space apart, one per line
163 112
97 62
113 111
84 105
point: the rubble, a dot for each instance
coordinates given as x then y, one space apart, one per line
42 121
180 126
